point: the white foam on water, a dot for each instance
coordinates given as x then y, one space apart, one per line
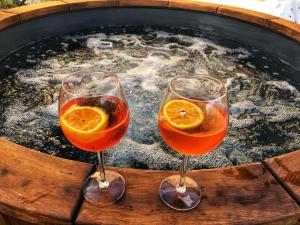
229 82
163 34
242 107
105 62
144 69
96 43
33 77
14 113
242 75
251 65
141 153
238 123
50 110
64 45
231 68
284 85
280 113
241 53
146 73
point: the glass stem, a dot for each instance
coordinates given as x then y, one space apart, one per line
181 186
102 179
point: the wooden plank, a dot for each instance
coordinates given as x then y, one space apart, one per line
14 221
141 3
250 16
285 27
194 5
37 187
8 19
246 194
87 4
40 9
2 221
286 169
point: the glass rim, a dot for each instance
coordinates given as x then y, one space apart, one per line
110 74
198 76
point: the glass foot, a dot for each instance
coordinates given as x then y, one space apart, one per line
111 191
179 199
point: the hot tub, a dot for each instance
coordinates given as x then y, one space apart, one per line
45 189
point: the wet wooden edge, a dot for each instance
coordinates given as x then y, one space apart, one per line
144 3
279 25
90 4
194 5
8 19
285 27
246 194
2 221
286 168
37 187
247 15
274 23
28 12
8 220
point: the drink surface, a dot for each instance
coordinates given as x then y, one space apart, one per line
114 128
200 139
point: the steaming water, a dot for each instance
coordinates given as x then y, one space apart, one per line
263 93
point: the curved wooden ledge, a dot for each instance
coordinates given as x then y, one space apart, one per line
8 19
47 190
286 169
13 16
246 194
37 187
44 189
37 10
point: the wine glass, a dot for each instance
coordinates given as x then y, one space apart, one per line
193 120
94 116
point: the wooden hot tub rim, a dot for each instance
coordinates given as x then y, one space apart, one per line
14 16
20 199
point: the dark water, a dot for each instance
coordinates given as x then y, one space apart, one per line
263 93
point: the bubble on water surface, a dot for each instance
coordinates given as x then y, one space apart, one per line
264 105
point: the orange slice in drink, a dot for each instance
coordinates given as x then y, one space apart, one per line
83 122
183 114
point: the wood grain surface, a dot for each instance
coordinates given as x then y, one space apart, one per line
194 5
140 3
37 187
40 9
246 15
84 4
14 221
285 27
2 221
245 194
8 19
24 13
287 169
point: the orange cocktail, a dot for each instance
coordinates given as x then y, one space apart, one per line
200 138
193 120
96 123
94 116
